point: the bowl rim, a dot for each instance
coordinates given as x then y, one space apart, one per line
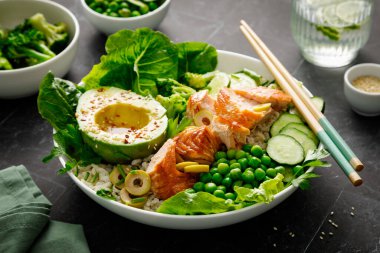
349 84
120 19
67 48
174 217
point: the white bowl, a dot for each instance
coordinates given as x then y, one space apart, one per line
109 25
228 62
23 82
364 103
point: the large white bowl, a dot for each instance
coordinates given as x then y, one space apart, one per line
109 25
23 82
228 62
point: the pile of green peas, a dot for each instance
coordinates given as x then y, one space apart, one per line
248 167
123 8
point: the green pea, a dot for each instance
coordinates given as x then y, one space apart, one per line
222 160
240 154
266 160
213 171
250 169
99 10
136 13
238 183
232 161
271 172
219 194
235 165
280 169
223 168
124 5
298 170
257 151
144 9
199 186
113 14
93 6
205 177
248 176
247 147
210 187
227 182
124 12
249 186
259 174
217 178
222 187
254 162
243 163
152 6
220 155
235 174
231 154
113 6
230 195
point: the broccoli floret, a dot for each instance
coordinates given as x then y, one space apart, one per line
168 86
4 62
198 81
175 105
56 35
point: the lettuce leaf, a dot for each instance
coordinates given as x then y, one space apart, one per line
264 194
186 203
134 60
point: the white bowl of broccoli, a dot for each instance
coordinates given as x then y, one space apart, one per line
35 37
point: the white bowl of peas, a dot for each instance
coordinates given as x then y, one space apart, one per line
110 16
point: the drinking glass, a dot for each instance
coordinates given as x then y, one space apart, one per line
330 33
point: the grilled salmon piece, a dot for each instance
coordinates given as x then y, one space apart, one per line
166 179
278 99
199 101
237 109
197 144
231 134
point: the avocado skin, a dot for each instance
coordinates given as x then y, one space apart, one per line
113 153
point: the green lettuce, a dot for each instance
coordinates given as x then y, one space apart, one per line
264 194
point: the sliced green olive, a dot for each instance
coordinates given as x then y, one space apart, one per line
203 118
137 182
126 198
117 175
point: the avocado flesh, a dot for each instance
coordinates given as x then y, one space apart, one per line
120 125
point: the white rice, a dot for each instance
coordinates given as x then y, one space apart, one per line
260 134
98 179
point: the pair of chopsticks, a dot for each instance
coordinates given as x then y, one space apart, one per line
330 138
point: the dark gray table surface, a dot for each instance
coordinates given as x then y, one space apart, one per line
293 226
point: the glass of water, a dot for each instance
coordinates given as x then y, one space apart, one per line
331 32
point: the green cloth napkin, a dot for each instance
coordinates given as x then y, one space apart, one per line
25 225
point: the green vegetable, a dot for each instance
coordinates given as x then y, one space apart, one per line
257 151
198 81
107 194
175 105
220 155
223 168
169 86
175 127
252 74
264 194
184 203
210 187
259 174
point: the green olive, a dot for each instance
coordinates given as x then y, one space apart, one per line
137 182
126 198
117 176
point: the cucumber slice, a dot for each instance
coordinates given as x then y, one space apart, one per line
303 128
241 81
285 149
306 142
282 121
220 80
319 103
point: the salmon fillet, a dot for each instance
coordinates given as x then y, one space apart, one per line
278 99
199 101
231 134
166 179
197 144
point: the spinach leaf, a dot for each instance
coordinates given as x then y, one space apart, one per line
134 61
196 57
57 100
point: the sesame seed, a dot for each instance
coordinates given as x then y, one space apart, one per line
335 225
293 235
275 228
331 233
323 233
330 221
353 208
321 237
352 214
332 213
274 245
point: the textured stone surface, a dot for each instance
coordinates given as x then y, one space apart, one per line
25 138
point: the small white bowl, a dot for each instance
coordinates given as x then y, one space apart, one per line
362 102
109 25
24 82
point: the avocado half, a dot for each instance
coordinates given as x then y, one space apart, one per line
120 125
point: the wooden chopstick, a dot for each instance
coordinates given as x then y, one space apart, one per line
302 108
326 125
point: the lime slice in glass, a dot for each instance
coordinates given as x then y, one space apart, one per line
351 12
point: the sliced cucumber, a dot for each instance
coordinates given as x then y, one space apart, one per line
242 81
285 149
220 80
303 128
306 142
282 121
319 103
